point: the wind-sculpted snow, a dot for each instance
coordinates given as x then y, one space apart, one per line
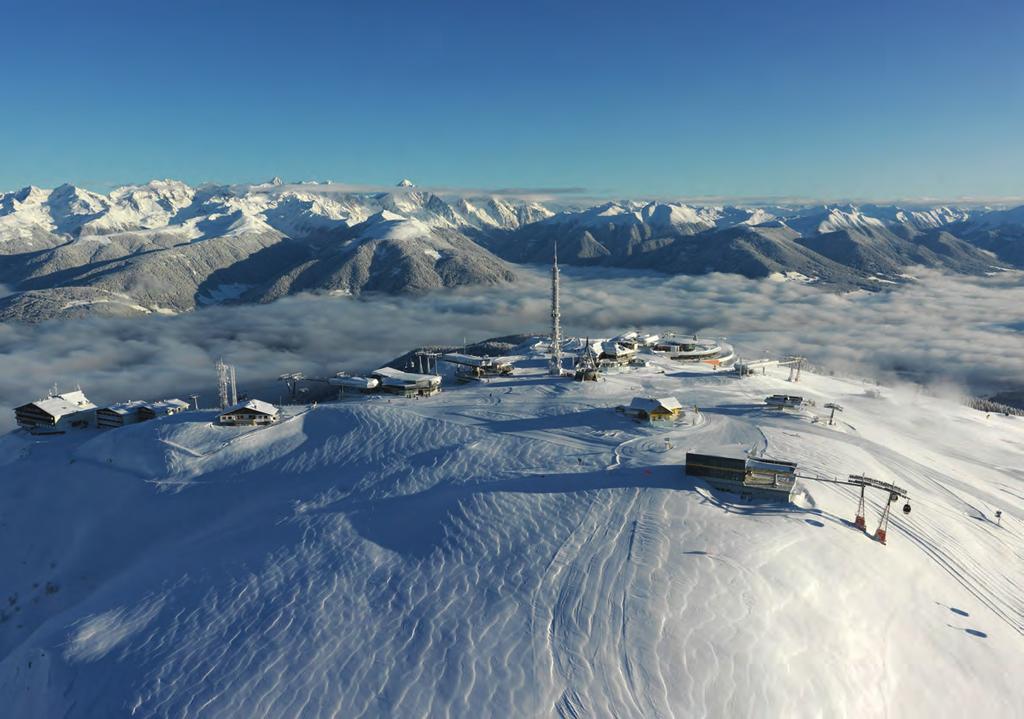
515 548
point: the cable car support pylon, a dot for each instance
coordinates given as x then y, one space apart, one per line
893 493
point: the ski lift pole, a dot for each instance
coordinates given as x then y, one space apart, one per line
858 521
884 524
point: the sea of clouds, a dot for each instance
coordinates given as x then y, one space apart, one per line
941 330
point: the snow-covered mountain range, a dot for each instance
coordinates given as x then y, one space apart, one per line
169 247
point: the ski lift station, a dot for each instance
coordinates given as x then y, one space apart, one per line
784 401
694 349
407 384
473 367
734 471
349 385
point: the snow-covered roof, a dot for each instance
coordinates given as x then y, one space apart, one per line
613 349
351 381
64 404
652 404
252 405
770 465
167 406
123 408
470 360
392 377
168 403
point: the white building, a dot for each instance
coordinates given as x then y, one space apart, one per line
118 415
249 413
407 384
162 408
611 352
629 340
56 413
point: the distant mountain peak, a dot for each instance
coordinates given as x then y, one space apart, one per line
406 182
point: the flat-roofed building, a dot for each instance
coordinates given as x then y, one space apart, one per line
162 408
473 366
118 415
784 401
734 471
349 385
407 384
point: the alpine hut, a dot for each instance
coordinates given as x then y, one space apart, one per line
653 409
249 413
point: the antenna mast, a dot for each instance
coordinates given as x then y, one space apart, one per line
555 360
222 383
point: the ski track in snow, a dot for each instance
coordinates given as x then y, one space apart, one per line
510 549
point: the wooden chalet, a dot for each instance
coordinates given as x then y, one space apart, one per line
653 409
251 412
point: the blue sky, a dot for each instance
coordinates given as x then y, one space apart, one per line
813 99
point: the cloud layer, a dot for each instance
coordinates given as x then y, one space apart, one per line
942 329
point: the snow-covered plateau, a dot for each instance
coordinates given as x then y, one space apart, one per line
517 548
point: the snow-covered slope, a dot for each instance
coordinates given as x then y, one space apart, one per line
516 548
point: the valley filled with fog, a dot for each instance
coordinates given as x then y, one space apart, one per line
954 333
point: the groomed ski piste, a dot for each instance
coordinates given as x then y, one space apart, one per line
517 548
